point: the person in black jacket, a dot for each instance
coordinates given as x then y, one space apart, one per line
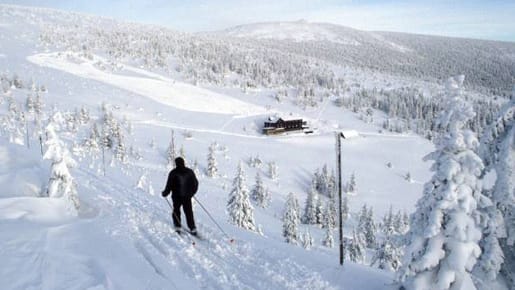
183 184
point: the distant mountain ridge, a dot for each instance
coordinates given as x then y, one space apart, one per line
304 31
286 52
486 64
299 31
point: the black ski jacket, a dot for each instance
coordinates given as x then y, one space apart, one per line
182 182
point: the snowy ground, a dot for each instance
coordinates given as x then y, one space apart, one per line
123 237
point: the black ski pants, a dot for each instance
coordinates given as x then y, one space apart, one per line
188 211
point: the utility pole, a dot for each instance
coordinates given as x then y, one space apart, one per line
339 135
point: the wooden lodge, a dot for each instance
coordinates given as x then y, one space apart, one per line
279 126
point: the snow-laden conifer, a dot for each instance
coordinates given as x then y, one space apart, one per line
328 240
121 150
61 184
241 212
387 255
291 220
357 248
260 194
307 240
351 185
320 212
498 153
399 224
362 219
310 207
370 229
212 165
388 225
273 171
330 215
445 232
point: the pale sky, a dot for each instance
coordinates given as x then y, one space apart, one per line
487 19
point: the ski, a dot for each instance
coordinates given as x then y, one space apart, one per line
185 235
196 236
192 237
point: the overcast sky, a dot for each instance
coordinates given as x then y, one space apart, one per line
487 19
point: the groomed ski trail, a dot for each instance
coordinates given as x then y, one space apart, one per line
215 263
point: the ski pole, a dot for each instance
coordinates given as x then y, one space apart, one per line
210 216
169 204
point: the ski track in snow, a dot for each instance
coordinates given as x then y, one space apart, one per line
211 264
160 89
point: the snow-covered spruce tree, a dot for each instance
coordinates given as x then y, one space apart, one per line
362 219
445 232
310 207
351 185
357 248
498 153
387 255
322 181
405 221
260 194
489 262
255 162
273 171
241 212
90 144
307 240
291 219
121 150
370 229
61 184
398 223
212 165
109 130
13 124
332 186
320 211
388 226
84 117
328 240
330 214
38 106
29 104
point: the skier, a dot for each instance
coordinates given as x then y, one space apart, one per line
183 184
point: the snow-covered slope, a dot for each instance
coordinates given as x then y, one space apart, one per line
146 78
160 89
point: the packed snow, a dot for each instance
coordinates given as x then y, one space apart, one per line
163 90
90 126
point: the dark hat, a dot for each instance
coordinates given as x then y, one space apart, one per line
179 162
